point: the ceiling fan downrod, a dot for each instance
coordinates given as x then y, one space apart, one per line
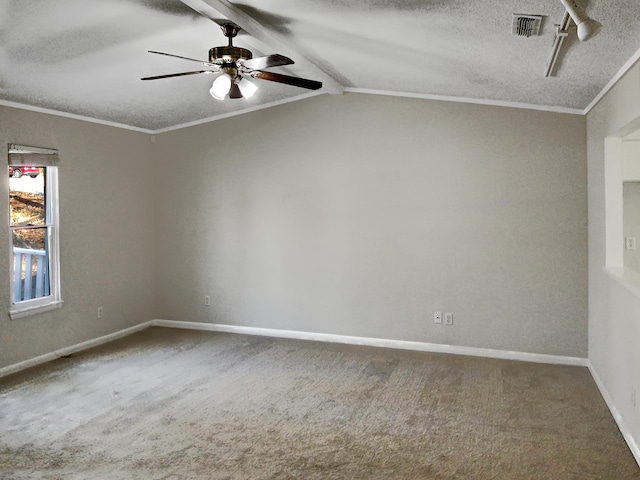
229 54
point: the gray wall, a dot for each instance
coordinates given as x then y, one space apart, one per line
614 310
361 215
106 233
354 214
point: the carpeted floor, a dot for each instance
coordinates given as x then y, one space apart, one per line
179 404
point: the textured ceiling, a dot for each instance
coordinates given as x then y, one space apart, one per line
86 57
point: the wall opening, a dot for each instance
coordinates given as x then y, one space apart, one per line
631 200
622 205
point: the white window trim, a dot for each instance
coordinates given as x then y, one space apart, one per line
53 301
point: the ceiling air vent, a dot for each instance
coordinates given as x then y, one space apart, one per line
526 25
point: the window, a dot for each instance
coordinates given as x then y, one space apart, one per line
33 206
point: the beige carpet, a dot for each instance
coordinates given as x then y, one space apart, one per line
176 404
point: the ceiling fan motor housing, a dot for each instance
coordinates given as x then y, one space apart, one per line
229 54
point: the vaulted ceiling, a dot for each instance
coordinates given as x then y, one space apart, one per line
86 57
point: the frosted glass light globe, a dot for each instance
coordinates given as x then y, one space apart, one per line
221 86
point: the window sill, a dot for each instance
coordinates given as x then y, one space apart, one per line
629 279
16 313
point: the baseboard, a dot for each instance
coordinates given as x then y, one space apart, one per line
300 335
48 357
377 342
622 425
351 340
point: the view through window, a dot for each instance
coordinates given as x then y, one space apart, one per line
29 229
33 207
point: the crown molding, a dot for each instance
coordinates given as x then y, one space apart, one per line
475 101
74 116
625 68
574 111
239 112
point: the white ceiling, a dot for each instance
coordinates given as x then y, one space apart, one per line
86 57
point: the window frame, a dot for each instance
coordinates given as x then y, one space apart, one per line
52 301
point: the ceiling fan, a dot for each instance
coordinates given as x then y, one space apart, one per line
235 64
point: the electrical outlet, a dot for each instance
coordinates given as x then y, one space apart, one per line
448 318
437 317
100 312
207 300
630 243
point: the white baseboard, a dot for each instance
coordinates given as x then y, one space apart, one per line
622 425
299 335
377 342
48 357
424 347
351 340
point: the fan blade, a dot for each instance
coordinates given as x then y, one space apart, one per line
177 74
295 81
234 91
274 60
208 64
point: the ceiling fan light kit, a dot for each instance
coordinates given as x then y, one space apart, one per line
247 88
234 64
221 86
